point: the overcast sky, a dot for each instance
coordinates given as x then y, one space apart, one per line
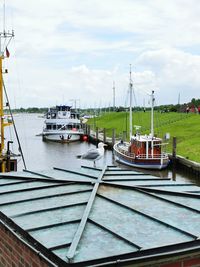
75 49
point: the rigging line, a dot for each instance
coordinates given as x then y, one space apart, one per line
137 118
136 86
15 129
126 98
159 122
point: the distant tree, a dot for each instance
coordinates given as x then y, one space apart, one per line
195 102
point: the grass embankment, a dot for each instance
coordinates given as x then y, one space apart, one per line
186 127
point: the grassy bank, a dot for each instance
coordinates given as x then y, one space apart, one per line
186 127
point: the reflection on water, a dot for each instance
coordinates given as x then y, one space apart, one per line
41 155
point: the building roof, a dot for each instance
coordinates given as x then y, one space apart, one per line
97 216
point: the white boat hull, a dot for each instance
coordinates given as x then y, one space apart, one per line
64 137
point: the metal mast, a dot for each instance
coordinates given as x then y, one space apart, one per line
152 115
5 38
113 96
75 101
130 112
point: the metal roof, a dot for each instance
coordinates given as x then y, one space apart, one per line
96 216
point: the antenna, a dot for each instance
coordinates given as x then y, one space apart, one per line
4 15
5 36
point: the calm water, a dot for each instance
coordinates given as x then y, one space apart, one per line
41 155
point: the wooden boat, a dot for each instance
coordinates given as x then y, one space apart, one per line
63 125
143 151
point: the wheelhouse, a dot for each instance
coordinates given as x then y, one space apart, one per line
146 146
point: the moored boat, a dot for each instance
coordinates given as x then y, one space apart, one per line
62 124
143 151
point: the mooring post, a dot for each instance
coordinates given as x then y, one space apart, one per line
124 135
174 148
174 159
97 135
85 128
88 130
113 137
104 135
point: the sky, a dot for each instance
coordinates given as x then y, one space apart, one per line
69 51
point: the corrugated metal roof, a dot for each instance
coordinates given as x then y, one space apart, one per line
90 215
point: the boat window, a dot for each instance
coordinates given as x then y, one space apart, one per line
53 115
138 144
149 144
48 126
54 127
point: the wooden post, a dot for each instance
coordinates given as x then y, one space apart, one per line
174 159
88 130
104 135
113 137
174 148
97 134
84 126
124 135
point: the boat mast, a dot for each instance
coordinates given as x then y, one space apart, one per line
152 115
152 123
113 96
130 109
5 38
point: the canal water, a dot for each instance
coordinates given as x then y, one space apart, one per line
41 155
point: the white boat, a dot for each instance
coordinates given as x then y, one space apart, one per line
63 125
143 151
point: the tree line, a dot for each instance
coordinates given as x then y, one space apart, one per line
194 103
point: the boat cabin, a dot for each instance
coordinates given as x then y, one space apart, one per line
62 112
70 126
145 146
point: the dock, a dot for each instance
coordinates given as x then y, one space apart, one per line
99 135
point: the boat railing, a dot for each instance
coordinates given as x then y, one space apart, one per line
157 156
126 152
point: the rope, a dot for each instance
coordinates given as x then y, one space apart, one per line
15 129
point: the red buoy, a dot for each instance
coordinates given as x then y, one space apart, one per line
85 138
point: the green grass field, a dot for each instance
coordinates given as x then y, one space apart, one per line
186 127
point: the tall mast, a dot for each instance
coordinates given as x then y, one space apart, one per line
130 109
113 96
5 38
152 115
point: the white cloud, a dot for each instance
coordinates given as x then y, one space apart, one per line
68 49
176 71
